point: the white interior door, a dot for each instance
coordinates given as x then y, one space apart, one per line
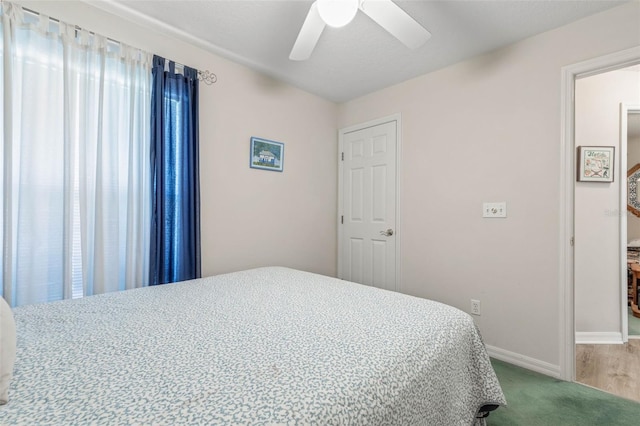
368 234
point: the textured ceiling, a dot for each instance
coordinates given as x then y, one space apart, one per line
362 57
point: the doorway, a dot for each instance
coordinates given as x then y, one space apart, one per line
567 237
600 215
613 367
604 359
630 133
368 207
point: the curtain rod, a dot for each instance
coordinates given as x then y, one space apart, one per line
205 76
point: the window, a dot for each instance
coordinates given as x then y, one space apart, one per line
75 172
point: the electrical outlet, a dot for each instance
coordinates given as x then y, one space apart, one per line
475 307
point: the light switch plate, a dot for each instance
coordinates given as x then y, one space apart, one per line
496 209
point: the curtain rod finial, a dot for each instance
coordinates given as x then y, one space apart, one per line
207 77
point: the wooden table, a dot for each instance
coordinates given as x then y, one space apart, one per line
635 270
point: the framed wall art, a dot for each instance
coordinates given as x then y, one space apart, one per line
266 154
595 163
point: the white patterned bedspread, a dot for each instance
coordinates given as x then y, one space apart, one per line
264 346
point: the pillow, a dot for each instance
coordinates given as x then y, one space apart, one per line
7 349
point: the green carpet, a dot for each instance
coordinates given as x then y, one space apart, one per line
534 399
634 325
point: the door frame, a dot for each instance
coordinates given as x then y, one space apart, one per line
566 303
397 231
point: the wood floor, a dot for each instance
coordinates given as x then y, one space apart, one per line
611 368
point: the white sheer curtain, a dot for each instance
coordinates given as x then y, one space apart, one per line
75 161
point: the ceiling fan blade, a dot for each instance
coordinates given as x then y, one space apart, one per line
308 36
396 21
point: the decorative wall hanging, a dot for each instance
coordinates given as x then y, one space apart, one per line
266 154
595 163
633 178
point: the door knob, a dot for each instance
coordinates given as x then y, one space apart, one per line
387 233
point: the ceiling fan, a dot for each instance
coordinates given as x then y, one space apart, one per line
338 13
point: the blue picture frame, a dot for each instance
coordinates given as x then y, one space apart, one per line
266 154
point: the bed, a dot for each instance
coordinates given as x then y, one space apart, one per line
264 346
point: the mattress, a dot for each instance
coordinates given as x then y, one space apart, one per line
264 346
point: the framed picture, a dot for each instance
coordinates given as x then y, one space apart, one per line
266 154
595 163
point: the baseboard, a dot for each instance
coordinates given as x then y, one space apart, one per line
524 361
598 338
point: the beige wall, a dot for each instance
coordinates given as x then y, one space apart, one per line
249 217
488 129
597 205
